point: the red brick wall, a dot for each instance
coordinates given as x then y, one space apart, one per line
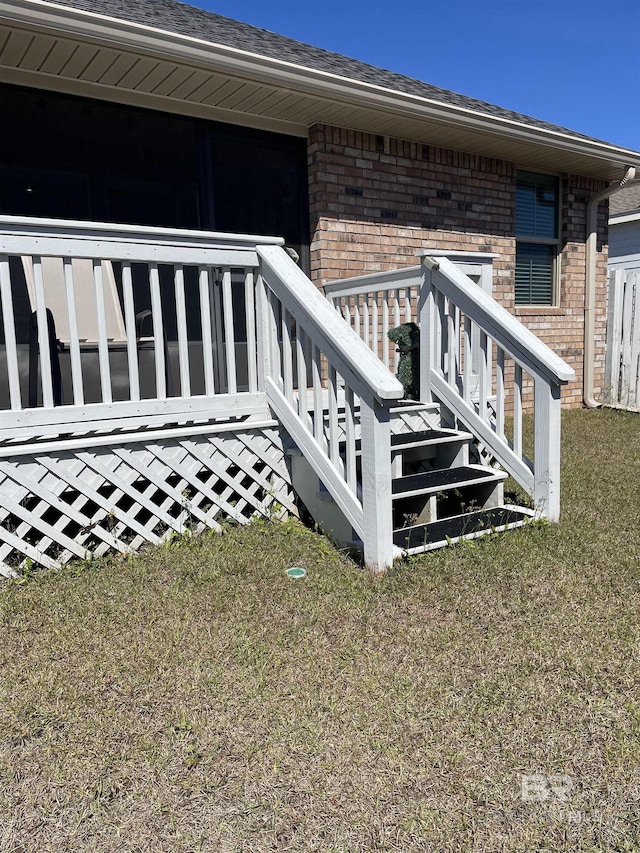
376 200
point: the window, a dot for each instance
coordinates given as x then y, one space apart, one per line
537 238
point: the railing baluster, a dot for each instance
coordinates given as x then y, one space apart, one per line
489 375
443 326
207 332
436 329
332 390
250 312
396 307
276 356
396 323
74 341
500 392
467 376
356 314
287 355
158 333
183 338
385 328
346 309
43 336
229 334
301 367
375 330
517 411
350 439
263 333
8 321
453 348
318 408
484 380
217 325
130 326
103 343
407 305
365 319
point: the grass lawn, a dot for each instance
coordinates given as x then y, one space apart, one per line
482 698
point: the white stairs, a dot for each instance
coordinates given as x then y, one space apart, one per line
441 491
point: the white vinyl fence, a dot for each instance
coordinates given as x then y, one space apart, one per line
622 367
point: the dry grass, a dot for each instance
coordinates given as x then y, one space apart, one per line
195 699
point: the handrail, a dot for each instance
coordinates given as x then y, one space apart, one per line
374 283
83 230
357 363
308 350
476 335
476 359
512 335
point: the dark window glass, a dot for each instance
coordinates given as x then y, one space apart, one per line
536 205
536 237
259 186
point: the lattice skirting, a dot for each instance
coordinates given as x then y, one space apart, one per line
75 504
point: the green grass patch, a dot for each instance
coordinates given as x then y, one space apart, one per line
195 698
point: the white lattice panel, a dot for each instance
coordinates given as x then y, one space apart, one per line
59 506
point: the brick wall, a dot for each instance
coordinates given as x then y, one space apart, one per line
376 200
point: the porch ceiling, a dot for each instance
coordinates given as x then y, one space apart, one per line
204 81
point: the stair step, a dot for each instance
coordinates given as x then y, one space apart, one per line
411 406
437 534
422 438
406 440
443 479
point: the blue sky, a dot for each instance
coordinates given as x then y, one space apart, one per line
571 62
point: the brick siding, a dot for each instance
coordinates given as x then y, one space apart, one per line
376 200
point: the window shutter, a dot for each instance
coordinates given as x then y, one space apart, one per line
534 274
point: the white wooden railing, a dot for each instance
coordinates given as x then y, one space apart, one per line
112 326
311 361
475 358
116 328
164 327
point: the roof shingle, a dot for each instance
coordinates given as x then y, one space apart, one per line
626 200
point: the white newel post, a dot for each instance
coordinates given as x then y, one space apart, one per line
426 308
547 449
376 485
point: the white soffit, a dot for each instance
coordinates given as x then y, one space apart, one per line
62 49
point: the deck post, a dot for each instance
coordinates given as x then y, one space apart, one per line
547 449
425 321
376 485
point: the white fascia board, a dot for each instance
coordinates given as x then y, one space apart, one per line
628 262
250 65
619 218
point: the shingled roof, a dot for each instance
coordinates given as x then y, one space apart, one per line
179 18
626 200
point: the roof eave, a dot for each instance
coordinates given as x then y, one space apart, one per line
267 69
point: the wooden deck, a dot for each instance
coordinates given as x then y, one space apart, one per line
154 381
